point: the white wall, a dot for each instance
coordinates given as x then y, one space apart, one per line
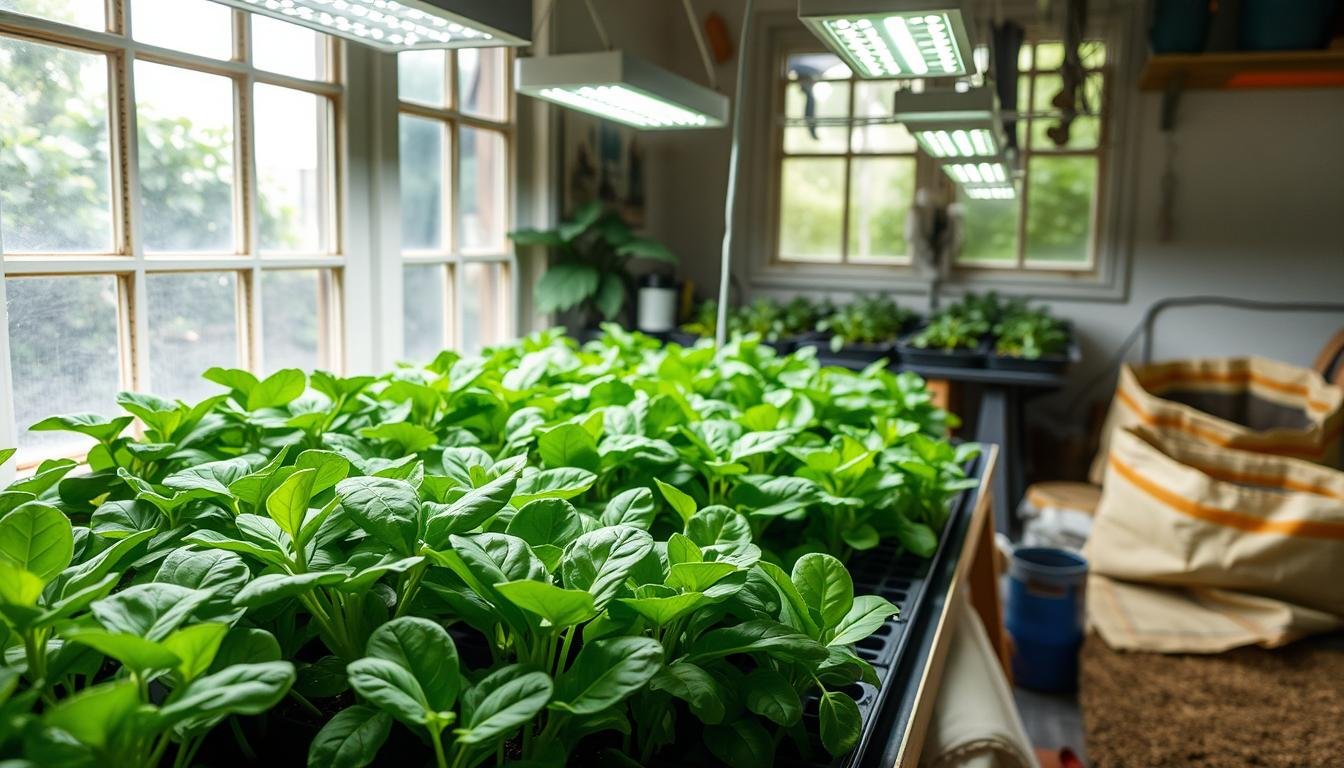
1259 214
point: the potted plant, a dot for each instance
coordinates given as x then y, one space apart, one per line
1031 340
589 274
862 331
952 339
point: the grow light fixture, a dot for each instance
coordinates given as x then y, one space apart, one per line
950 124
984 180
893 38
403 25
621 87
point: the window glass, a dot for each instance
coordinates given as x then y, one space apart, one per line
484 299
90 14
193 326
807 99
186 158
64 355
292 144
811 211
421 78
1059 207
422 184
289 49
55 176
881 191
424 287
483 81
201 27
873 100
989 230
292 303
483 167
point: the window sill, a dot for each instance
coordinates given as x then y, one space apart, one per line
1090 284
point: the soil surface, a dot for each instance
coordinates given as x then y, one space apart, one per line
1248 707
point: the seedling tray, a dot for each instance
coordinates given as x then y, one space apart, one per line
934 358
1049 364
848 355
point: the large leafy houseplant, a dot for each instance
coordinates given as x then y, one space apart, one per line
545 553
589 268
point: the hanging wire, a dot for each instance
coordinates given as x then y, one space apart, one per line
597 23
700 43
541 22
734 160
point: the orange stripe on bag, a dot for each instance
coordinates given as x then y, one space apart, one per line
1312 529
1232 377
1265 481
1217 438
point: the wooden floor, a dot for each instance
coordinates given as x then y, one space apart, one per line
1052 720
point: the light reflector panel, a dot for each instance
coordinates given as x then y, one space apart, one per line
893 38
403 25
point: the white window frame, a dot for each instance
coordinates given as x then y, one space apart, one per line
759 210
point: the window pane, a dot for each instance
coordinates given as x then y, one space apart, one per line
1049 56
1059 208
807 99
89 14
1093 53
278 46
989 230
1083 133
485 305
422 187
293 304
483 81
423 291
880 193
420 77
484 166
63 343
193 325
1048 91
186 158
195 26
874 100
54 171
811 209
292 169
817 66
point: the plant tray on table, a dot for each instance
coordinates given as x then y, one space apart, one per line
1033 341
540 556
950 340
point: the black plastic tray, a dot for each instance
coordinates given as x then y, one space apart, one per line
864 354
1049 364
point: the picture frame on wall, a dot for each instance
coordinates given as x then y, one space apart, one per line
603 161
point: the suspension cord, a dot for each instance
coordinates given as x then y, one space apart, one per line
700 43
734 160
597 23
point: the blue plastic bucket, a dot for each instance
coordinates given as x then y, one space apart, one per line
1273 25
1045 616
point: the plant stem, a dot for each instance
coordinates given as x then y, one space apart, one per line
409 588
563 659
440 759
241 738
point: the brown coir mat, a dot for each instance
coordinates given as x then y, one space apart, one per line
1248 707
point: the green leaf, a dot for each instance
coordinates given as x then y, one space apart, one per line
233 378
681 549
647 249
546 521
221 572
270 587
682 504
196 646
470 511
100 428
826 588
6 454
504 700
280 388
863 619
423 648
605 672
694 686
557 483
663 610
149 610
568 445
331 468
758 636
565 285
412 438
718 525
214 476
526 237
610 295
351 739
134 651
242 689
389 510
95 715
391 688
37 538
633 507
559 607
288 504
586 216
757 443
916 537
698 577
798 613
119 519
840 722
600 561
862 538
771 695
743 743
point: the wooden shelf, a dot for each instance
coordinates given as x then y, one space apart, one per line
1240 69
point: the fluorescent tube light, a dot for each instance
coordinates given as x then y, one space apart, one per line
952 125
403 25
894 38
624 88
